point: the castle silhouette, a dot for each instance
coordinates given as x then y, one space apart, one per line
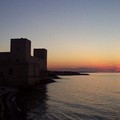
18 68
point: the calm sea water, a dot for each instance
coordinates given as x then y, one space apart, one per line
93 97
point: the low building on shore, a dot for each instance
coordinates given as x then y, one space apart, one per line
18 68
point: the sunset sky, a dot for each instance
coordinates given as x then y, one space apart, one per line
78 34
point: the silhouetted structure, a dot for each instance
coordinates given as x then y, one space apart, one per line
41 54
19 68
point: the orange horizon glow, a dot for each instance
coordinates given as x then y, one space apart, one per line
75 58
79 68
71 63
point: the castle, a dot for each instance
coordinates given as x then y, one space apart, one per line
18 68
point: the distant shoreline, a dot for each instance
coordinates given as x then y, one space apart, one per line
66 73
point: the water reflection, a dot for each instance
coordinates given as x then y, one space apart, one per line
94 97
32 102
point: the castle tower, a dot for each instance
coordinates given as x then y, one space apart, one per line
21 48
41 54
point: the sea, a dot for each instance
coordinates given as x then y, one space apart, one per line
86 97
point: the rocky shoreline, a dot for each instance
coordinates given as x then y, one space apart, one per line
59 73
8 106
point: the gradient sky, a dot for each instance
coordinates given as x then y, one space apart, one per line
77 33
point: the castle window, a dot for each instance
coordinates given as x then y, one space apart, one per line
1 74
18 49
18 60
10 71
